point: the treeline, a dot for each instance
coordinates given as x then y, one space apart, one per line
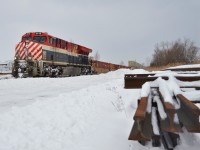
179 51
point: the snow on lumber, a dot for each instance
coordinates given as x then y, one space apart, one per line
164 90
145 89
161 111
154 122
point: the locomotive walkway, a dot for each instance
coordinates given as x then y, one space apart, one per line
163 111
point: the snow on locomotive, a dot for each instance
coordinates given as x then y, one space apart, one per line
40 54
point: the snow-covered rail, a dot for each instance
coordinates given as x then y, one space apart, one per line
163 111
133 81
184 69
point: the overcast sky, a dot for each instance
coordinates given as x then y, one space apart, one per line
120 30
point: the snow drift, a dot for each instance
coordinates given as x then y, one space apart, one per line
86 112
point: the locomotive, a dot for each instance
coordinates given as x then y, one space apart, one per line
40 54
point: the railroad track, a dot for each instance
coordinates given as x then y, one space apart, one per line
163 111
1 73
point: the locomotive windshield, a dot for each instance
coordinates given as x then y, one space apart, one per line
26 38
39 39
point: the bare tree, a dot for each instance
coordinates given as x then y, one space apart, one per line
97 56
175 52
121 63
147 61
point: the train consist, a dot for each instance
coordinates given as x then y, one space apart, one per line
103 67
40 54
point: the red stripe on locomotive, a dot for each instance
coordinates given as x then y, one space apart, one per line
33 51
22 51
40 54
32 44
36 53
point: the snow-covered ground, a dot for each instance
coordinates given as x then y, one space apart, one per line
75 113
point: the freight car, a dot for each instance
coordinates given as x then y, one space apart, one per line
41 54
104 67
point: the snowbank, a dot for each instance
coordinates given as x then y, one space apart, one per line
86 112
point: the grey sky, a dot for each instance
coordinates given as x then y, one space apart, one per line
120 30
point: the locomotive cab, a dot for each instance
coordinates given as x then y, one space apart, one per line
37 37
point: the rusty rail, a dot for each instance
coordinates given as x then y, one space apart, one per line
135 82
168 125
1 73
140 75
141 130
186 115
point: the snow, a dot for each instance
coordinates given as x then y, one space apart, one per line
164 89
173 86
191 93
186 66
145 89
145 92
149 104
86 112
161 111
191 83
154 122
180 73
5 76
176 120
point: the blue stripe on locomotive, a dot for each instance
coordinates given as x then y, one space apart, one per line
60 57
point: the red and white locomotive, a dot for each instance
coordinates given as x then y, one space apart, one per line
40 54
